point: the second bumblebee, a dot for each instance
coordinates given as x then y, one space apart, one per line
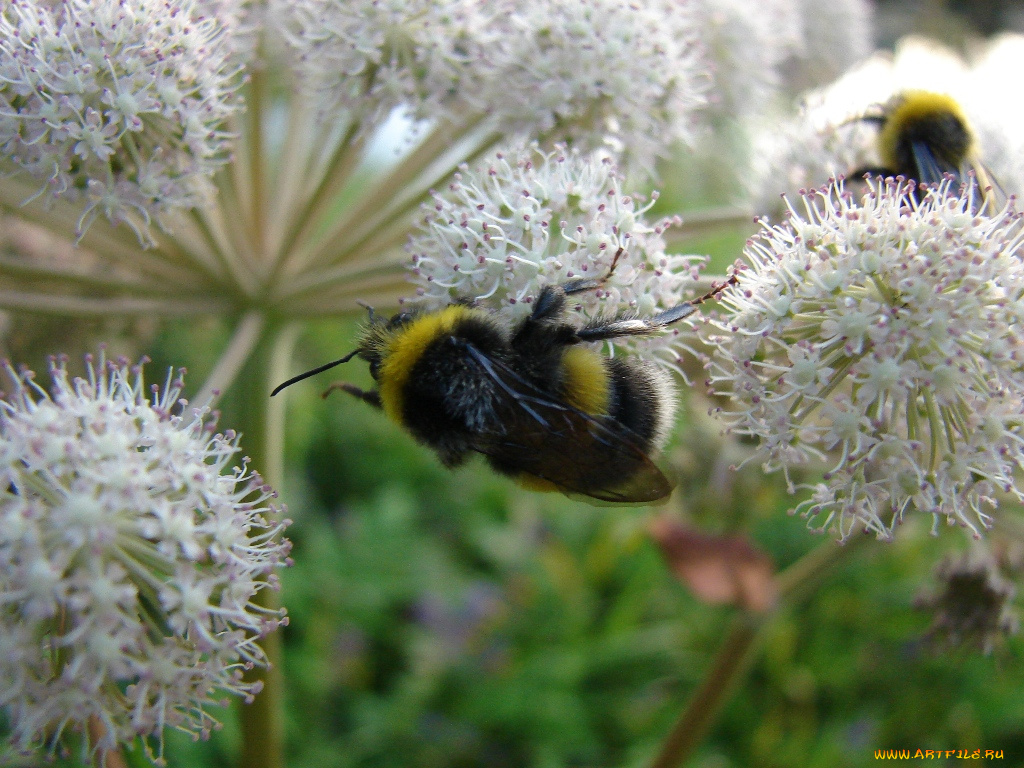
926 136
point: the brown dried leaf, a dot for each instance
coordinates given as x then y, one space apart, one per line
718 569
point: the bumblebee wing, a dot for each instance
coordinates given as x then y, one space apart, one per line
930 170
548 444
576 453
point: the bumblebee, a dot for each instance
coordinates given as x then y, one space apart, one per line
534 397
926 136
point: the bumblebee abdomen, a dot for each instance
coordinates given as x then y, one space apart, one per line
642 399
586 380
632 403
636 394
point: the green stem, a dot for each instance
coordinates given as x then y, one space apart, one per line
73 273
733 659
397 193
736 654
258 102
116 244
261 422
304 217
243 341
316 285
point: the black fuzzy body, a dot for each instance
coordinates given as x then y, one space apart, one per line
475 385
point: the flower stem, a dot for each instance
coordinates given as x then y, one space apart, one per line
261 420
243 341
396 193
733 659
736 654
85 306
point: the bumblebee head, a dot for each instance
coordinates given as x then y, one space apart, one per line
378 337
374 346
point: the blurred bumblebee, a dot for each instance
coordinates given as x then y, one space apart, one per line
925 136
532 396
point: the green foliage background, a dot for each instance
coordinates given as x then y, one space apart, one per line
449 619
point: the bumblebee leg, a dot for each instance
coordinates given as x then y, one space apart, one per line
371 396
639 326
373 316
551 300
550 303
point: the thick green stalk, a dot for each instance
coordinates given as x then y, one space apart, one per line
244 339
733 659
259 419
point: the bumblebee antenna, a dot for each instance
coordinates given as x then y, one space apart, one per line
314 372
615 263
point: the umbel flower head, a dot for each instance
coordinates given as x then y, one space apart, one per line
526 218
129 560
586 71
887 334
118 105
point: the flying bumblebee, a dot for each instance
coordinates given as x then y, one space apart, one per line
926 136
533 397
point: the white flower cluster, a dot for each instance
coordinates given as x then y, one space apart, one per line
589 71
119 105
527 219
128 561
366 58
746 41
889 334
601 70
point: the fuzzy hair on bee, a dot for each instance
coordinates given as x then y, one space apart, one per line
926 137
534 397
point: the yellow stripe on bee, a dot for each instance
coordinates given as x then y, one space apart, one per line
404 349
586 380
910 106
